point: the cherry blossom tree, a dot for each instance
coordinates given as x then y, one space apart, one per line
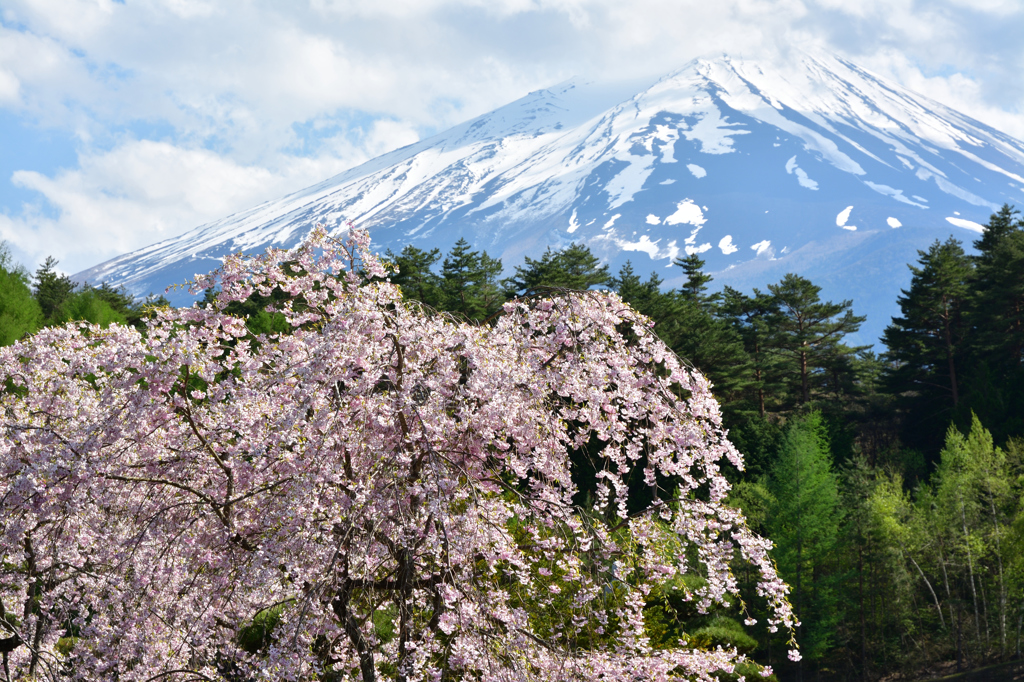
383 493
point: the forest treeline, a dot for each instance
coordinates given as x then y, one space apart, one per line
890 482
29 302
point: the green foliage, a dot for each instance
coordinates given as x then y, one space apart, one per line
710 344
573 267
958 346
646 297
927 345
755 500
723 632
65 645
134 312
89 306
748 670
51 290
696 279
669 611
255 310
809 331
557 619
19 312
805 522
469 282
670 618
257 635
415 277
751 318
1001 224
967 509
926 342
56 300
997 319
384 623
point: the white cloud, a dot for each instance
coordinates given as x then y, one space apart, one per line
139 193
211 67
9 87
959 91
45 76
385 135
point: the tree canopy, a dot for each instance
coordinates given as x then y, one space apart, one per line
573 267
19 312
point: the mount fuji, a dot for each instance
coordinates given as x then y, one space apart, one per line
821 168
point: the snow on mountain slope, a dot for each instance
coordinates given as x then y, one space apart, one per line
822 169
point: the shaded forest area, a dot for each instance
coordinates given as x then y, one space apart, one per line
891 483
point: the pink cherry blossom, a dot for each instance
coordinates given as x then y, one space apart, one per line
370 496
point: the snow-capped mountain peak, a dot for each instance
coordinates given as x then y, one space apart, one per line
820 168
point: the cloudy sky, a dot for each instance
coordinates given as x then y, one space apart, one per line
126 122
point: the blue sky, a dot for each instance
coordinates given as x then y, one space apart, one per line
124 123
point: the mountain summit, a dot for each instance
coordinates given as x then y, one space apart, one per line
821 168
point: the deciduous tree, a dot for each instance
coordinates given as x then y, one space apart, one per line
806 519
382 493
19 312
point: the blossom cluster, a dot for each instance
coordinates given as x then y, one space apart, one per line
384 492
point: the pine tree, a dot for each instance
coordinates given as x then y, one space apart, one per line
696 279
999 290
1000 224
751 317
469 282
573 267
415 276
646 297
997 325
711 345
51 289
926 344
807 329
